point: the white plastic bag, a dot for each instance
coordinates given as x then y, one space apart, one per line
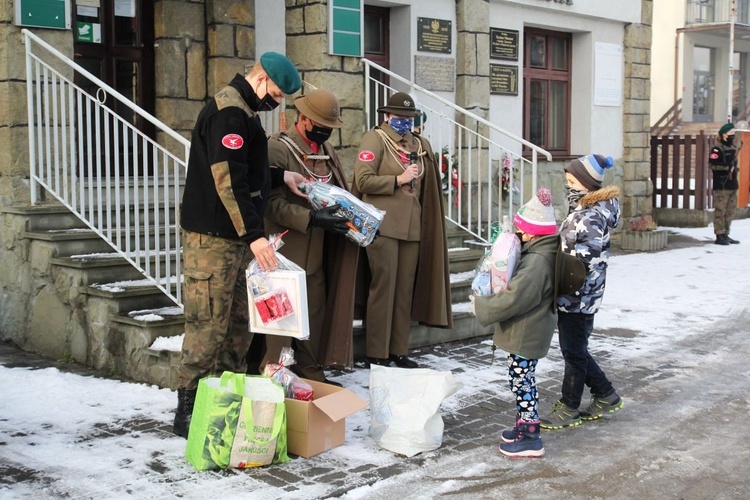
405 407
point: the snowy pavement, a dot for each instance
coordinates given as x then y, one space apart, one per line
672 329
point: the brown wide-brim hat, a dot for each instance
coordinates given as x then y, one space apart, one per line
400 104
322 107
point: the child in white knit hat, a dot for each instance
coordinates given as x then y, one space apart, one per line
525 315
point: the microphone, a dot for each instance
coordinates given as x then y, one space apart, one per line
412 160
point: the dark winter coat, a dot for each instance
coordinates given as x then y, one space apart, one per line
585 234
522 313
228 178
723 162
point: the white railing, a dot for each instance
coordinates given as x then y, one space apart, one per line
477 155
117 179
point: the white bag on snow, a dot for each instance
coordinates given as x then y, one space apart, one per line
405 407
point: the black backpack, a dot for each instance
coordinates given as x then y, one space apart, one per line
570 274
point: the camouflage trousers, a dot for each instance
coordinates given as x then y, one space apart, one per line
725 202
214 294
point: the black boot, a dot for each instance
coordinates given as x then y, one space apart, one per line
403 361
721 239
185 403
732 240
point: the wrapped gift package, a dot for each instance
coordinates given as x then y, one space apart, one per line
496 268
363 218
278 303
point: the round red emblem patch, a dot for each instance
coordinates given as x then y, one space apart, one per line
232 141
366 155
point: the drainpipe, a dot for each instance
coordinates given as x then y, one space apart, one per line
731 61
676 62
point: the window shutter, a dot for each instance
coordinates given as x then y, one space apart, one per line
345 21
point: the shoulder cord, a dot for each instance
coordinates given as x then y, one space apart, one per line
297 151
393 148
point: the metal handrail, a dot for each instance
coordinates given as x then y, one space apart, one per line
120 182
478 159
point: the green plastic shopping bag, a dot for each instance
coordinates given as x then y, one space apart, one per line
238 421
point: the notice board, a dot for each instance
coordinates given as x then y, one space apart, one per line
53 14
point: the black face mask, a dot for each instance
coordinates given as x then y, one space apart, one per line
268 103
729 140
318 135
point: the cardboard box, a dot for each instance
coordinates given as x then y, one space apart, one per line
313 427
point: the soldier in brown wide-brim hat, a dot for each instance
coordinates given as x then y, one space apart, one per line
315 239
322 107
400 104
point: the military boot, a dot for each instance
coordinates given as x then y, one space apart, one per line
185 403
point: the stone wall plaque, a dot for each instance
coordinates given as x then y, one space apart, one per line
504 44
433 35
503 79
435 73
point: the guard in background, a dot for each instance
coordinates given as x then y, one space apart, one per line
723 162
396 171
315 240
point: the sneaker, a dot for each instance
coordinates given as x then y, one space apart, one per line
599 406
527 442
561 415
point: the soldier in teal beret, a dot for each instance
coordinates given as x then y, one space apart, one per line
227 186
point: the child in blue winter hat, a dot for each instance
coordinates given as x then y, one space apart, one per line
585 233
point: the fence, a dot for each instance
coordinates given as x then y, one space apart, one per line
680 173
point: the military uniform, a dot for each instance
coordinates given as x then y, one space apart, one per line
226 189
408 262
723 162
329 259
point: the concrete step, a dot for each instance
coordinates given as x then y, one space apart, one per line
46 217
85 241
465 259
55 216
109 266
129 295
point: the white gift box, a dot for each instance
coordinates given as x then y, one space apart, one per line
296 325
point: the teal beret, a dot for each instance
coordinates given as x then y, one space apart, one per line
281 71
726 128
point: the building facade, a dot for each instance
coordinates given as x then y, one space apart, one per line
571 76
691 45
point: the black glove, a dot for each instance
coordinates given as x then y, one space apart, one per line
327 219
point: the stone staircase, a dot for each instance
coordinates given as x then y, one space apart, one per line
87 304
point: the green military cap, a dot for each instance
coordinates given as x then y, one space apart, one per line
726 128
281 71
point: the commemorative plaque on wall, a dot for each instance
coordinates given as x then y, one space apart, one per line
435 72
503 79
504 44
433 35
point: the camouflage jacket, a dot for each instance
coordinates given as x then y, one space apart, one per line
585 234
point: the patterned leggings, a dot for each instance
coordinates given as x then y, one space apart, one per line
522 382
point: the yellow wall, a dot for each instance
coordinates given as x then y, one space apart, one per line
669 15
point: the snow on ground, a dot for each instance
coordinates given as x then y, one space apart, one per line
46 415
